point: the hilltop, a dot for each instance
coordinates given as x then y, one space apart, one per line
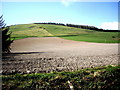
71 33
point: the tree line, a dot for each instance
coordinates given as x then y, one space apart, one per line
80 26
52 23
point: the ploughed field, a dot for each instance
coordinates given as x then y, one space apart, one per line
50 54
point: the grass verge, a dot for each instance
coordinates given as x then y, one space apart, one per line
106 77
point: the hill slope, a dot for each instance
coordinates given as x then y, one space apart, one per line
71 33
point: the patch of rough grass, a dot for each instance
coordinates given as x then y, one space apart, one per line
28 30
105 77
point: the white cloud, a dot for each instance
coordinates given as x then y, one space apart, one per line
109 25
67 2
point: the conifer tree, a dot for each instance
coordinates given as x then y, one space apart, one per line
6 40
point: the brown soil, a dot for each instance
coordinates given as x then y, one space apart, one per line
48 54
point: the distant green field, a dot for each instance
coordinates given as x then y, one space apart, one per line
71 33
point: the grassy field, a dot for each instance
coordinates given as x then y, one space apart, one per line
71 33
105 77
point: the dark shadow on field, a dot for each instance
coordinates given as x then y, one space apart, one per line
15 53
62 35
8 56
67 35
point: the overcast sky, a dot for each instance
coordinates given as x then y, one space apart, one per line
100 14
